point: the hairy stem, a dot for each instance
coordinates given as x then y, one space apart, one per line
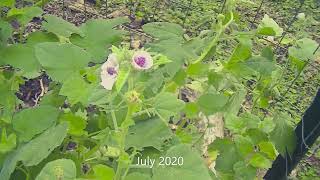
215 41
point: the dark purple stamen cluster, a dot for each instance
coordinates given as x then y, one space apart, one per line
71 146
111 71
141 61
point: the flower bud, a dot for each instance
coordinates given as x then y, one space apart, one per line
220 17
133 97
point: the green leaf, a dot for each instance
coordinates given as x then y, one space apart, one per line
103 172
99 96
269 27
41 37
256 64
9 165
191 109
193 165
261 65
60 27
5 32
137 176
244 145
7 3
267 125
76 123
242 123
218 80
167 105
228 154
24 15
180 77
148 133
283 136
76 90
267 52
171 44
198 69
8 99
61 60
122 78
164 31
268 149
22 57
302 52
257 135
7 143
244 171
241 53
260 161
52 98
58 169
98 46
52 138
235 101
32 121
212 103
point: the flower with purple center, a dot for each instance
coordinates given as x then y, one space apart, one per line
109 72
142 60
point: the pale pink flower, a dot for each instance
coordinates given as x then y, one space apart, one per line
142 60
109 72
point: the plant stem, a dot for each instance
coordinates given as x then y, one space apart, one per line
214 42
114 120
124 132
92 151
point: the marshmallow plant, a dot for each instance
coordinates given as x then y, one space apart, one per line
115 113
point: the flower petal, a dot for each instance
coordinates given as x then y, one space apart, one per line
109 72
142 60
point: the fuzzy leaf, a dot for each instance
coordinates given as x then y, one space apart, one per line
228 154
60 27
5 32
283 135
76 123
243 171
269 27
136 176
22 57
30 122
52 138
260 161
164 30
41 37
76 90
102 172
58 169
24 15
193 165
268 149
167 105
7 143
7 3
98 46
212 103
148 133
302 52
61 60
